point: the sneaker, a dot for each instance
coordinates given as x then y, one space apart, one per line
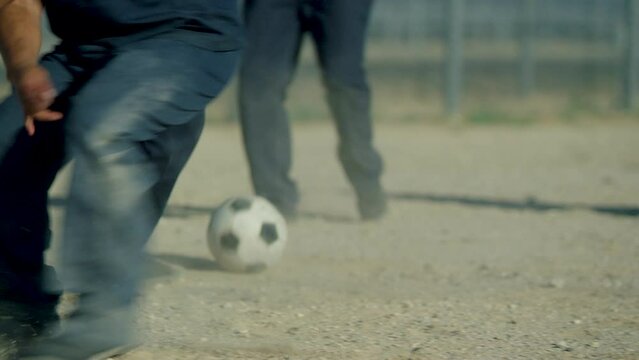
60 348
25 314
21 321
85 336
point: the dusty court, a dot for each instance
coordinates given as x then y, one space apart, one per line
501 243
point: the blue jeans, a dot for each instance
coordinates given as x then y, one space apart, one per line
274 30
133 114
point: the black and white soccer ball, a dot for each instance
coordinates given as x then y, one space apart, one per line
246 234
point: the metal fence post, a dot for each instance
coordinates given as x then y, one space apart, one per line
527 47
630 73
454 57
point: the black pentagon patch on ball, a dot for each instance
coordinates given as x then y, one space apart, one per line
241 204
229 242
269 233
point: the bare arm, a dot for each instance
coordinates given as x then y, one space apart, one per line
20 41
3 3
20 35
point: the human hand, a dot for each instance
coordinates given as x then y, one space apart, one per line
37 93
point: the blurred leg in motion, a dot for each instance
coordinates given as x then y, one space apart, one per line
274 34
29 290
339 31
130 129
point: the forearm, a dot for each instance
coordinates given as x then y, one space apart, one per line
4 2
20 35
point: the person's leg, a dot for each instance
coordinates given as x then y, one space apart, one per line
171 150
124 128
28 165
274 34
339 32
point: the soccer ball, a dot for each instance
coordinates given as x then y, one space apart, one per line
246 234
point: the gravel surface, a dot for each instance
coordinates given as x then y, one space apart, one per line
500 243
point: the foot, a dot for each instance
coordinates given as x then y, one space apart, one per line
30 320
288 211
22 323
85 336
60 348
25 314
372 205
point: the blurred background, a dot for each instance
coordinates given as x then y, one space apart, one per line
489 61
484 61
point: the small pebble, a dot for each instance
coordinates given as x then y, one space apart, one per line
563 346
227 305
557 283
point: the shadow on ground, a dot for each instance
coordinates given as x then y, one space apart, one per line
156 269
314 215
185 211
527 204
187 262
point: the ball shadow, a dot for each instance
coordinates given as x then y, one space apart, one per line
334 218
187 262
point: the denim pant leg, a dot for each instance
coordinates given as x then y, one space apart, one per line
143 94
171 150
27 169
274 34
339 32
11 122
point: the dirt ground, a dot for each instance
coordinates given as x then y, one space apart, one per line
501 243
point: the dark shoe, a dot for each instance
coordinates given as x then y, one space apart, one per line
22 323
86 336
288 211
372 205
42 287
25 314
27 320
66 349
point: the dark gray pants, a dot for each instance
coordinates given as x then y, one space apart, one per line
133 115
274 33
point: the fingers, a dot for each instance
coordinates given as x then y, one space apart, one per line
37 101
29 125
45 115
48 115
37 92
